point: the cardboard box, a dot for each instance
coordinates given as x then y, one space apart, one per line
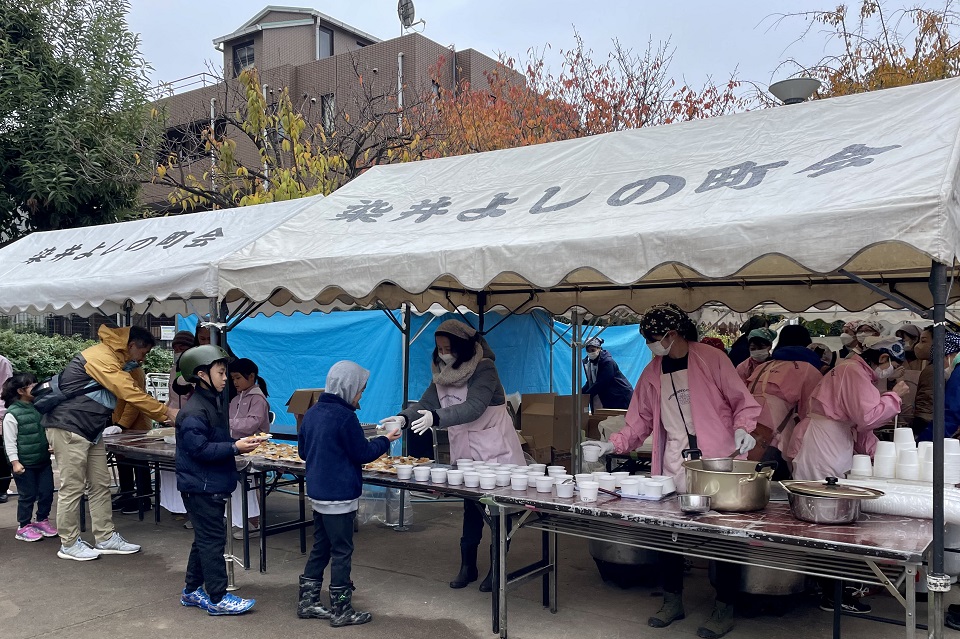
593 423
546 419
540 455
301 400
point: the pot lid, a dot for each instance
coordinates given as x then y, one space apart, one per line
830 488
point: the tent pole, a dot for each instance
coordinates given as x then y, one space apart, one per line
128 313
405 361
938 583
481 310
575 345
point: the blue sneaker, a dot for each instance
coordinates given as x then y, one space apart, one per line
230 605
198 598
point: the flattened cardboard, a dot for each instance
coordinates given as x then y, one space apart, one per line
301 401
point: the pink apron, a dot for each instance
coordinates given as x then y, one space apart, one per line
826 449
491 437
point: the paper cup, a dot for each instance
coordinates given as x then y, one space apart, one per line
544 484
503 478
925 450
861 465
421 473
888 449
462 462
607 483
488 481
588 491
654 489
404 471
471 479
438 475
884 467
908 471
591 453
455 477
565 490
532 479
630 486
518 482
619 475
903 436
951 445
669 486
582 477
562 478
553 471
509 467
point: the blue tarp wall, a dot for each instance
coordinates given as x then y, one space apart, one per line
296 352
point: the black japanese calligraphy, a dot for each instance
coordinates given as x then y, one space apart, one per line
115 247
142 243
173 239
90 252
426 209
547 195
853 155
42 255
367 211
490 210
745 175
674 184
206 238
67 253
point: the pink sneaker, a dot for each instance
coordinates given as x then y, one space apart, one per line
46 528
28 533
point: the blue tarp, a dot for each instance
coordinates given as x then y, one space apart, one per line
296 352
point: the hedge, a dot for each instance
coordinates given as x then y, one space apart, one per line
45 355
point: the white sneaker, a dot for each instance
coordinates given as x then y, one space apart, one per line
117 545
79 551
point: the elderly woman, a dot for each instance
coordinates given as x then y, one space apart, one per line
467 400
606 385
688 396
760 341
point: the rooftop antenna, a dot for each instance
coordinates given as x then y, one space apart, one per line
408 14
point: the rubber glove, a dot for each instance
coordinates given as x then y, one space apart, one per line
392 423
422 425
744 441
112 430
606 448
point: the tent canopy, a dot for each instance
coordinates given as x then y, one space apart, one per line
155 263
764 206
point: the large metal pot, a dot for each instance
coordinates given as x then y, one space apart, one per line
743 489
827 503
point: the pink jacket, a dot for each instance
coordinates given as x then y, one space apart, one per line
6 372
847 395
746 367
719 402
792 382
249 413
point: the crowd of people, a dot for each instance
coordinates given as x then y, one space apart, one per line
775 396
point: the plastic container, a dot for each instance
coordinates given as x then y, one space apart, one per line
462 462
619 476
588 491
629 486
583 477
590 453
503 477
553 471
455 477
488 481
607 483
565 491
404 471
653 489
669 486
421 473
471 479
438 475
862 465
544 484
518 482
532 479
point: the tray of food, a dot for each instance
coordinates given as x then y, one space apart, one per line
387 464
275 452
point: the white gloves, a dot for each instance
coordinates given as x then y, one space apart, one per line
744 441
606 448
112 430
422 425
392 423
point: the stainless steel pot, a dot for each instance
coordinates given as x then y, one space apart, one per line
745 488
827 503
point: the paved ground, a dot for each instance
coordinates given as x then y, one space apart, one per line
401 577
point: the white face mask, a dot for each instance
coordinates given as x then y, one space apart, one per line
658 349
760 356
863 337
448 359
846 339
884 373
593 355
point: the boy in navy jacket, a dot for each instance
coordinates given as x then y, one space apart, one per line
332 443
206 475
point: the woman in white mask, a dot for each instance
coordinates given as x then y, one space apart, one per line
760 342
844 410
467 400
688 396
605 384
951 397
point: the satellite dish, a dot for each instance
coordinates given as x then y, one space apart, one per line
407 13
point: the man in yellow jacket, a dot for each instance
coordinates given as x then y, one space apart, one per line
75 428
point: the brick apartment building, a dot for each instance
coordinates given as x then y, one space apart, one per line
318 58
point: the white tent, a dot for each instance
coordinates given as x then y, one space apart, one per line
157 264
744 209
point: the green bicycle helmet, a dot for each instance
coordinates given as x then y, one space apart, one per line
200 357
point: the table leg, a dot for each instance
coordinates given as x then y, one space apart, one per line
229 557
501 590
552 574
303 516
245 512
911 608
156 492
837 606
262 488
401 527
545 557
495 558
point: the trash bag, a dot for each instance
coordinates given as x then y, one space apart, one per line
382 505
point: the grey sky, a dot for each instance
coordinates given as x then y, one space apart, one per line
710 38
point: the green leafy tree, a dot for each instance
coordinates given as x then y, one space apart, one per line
73 95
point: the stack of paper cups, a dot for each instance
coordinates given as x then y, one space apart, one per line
885 460
908 464
903 438
861 466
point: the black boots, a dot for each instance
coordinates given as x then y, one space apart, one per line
487 584
343 612
468 567
309 606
